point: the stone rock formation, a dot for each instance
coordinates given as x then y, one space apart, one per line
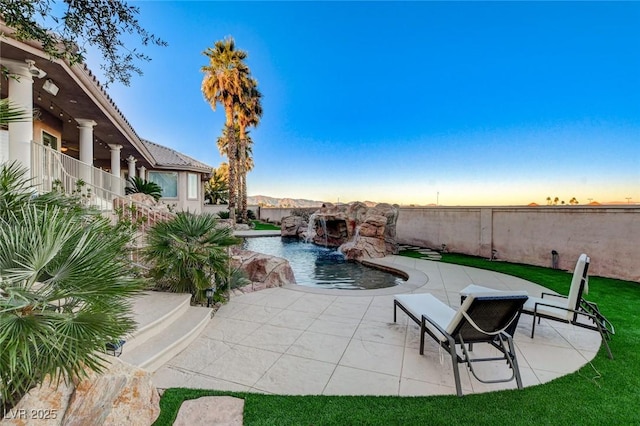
262 270
359 231
292 226
122 394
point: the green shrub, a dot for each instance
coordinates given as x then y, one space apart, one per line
188 252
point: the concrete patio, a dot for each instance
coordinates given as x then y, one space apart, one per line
301 341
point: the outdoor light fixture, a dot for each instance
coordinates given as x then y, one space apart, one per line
50 87
209 293
33 70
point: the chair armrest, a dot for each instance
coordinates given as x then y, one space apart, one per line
554 295
436 325
586 314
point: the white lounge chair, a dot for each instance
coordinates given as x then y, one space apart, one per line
482 318
572 309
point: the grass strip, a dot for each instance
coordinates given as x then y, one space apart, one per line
603 392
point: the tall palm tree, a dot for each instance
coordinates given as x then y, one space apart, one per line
222 84
243 157
248 113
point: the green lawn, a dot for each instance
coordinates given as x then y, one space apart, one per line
261 226
604 392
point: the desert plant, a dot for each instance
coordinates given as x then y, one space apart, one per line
139 185
65 285
188 252
224 214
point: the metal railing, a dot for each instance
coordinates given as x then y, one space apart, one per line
51 170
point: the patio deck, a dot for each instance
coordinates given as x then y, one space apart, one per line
302 341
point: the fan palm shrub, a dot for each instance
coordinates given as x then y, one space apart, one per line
65 287
139 185
187 252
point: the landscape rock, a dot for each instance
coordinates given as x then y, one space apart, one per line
358 230
122 394
292 226
211 410
262 270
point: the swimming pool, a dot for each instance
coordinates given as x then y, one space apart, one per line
322 267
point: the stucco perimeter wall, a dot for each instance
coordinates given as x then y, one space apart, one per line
609 235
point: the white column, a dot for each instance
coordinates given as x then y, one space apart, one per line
143 172
86 148
115 168
86 140
20 85
115 159
131 162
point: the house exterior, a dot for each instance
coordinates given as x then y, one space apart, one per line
78 138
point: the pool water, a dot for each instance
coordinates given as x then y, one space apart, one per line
323 267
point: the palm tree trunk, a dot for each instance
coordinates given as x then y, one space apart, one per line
231 155
243 174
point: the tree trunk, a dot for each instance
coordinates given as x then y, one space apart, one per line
242 175
231 155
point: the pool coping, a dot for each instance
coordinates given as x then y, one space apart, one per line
415 280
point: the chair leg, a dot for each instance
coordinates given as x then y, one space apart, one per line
514 361
454 364
423 330
533 327
604 339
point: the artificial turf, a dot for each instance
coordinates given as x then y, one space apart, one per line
603 392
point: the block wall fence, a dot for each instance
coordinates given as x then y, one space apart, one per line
610 235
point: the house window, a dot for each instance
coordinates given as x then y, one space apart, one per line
49 140
192 186
168 181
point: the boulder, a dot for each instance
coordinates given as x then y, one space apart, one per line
122 394
292 226
262 270
359 231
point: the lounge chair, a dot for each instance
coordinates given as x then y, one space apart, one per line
482 318
572 309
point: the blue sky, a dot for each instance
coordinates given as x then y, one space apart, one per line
477 103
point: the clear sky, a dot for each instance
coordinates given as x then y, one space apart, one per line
411 103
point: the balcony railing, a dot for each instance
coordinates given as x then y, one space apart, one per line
51 170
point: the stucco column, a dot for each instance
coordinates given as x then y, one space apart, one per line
115 169
143 172
131 162
85 126
20 84
115 159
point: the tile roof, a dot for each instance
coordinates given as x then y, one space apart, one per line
169 158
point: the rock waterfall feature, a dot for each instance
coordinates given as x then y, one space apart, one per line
359 231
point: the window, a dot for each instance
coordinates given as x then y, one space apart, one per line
192 186
49 140
168 181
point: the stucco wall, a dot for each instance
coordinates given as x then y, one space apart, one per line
609 235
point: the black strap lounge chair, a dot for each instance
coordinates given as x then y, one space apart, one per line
572 309
482 318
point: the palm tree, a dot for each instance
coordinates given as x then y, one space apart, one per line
222 84
65 286
216 190
11 113
188 252
139 185
248 113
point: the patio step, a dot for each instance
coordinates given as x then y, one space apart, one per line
166 325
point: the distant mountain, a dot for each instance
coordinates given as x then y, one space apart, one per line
263 200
